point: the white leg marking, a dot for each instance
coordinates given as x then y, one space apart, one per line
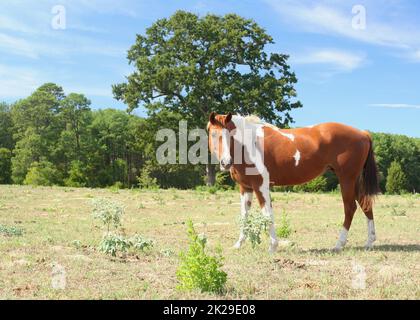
288 135
342 239
371 234
268 212
297 158
246 200
262 170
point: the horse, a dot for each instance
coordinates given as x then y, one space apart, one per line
269 156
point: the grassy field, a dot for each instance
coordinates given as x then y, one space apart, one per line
59 232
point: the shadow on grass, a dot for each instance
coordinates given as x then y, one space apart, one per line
377 248
393 247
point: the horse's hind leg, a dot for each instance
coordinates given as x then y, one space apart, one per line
366 205
348 192
246 202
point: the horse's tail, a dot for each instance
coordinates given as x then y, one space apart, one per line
369 181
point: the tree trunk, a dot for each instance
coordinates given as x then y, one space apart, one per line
211 174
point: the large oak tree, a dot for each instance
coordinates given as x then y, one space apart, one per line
194 65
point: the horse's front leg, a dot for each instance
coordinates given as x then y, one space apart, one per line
246 202
263 196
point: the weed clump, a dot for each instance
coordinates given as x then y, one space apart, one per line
113 242
198 270
254 225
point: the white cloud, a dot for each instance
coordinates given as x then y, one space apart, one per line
337 21
337 59
17 82
16 46
395 105
8 23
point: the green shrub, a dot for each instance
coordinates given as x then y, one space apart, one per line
113 243
318 184
140 243
116 186
209 189
284 230
77 176
254 225
5 166
198 270
224 180
10 231
42 173
145 179
396 181
108 212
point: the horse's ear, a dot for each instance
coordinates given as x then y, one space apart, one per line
228 118
212 118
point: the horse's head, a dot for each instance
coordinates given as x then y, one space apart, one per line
220 129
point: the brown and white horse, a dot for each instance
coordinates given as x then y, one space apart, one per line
260 155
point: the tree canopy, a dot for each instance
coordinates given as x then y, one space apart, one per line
194 65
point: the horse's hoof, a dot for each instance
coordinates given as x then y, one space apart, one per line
369 247
273 248
237 245
337 249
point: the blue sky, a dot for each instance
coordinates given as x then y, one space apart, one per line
366 77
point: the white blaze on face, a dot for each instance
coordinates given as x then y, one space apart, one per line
297 158
226 157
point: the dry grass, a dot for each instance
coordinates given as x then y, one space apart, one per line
59 230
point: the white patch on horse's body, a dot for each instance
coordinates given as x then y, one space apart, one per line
371 234
342 239
251 123
297 158
288 135
310 127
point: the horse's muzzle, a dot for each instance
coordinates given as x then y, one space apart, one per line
225 165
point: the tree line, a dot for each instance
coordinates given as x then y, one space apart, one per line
50 138
185 66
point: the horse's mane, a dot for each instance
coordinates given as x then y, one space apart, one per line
253 119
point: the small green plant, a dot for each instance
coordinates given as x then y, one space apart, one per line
198 270
77 244
140 243
167 252
108 212
254 225
284 230
112 244
398 213
159 199
116 187
11 231
209 189
146 180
